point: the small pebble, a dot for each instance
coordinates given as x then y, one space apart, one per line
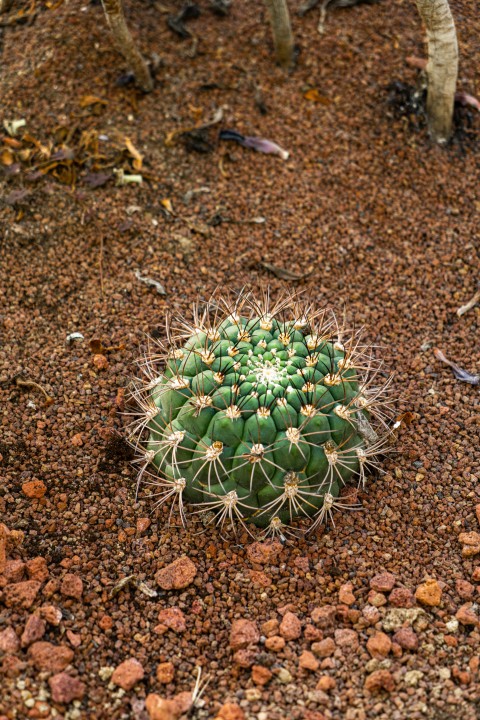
429 593
128 674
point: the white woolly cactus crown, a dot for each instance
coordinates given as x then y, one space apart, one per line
259 411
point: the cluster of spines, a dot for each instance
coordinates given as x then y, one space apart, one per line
193 346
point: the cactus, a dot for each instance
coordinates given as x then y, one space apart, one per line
259 412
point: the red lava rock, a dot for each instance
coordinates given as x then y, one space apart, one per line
396 650
72 586
74 639
183 702
179 574
463 676
243 633
406 638
324 648
106 623
326 683
275 643
51 588
34 489
450 640
466 615
270 628
302 563
37 569
173 619
41 709
128 674
261 675
429 593
259 578
142 525
11 666
345 594
371 614
464 589
165 672
9 642
379 680
100 361
51 614
160 709
290 627
347 640
314 714
308 661
383 582
376 599
49 657
471 543
324 616
289 607
379 645
13 571
312 633
262 553
65 688
22 594
477 511
34 630
77 440
401 597
476 574
245 657
230 711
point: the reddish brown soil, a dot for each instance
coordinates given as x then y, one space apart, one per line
389 226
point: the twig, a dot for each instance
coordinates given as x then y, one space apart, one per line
470 304
30 383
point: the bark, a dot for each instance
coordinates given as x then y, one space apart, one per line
125 44
282 32
442 67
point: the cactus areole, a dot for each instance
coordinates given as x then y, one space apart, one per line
261 413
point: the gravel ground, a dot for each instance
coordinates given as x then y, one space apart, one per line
375 618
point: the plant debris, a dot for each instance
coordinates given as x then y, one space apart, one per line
13 126
31 384
172 136
132 580
254 143
98 348
148 281
284 273
190 11
74 336
460 373
464 98
470 304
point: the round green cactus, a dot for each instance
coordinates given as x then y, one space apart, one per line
259 413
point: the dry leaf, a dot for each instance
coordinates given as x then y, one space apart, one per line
166 203
7 157
314 96
88 100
